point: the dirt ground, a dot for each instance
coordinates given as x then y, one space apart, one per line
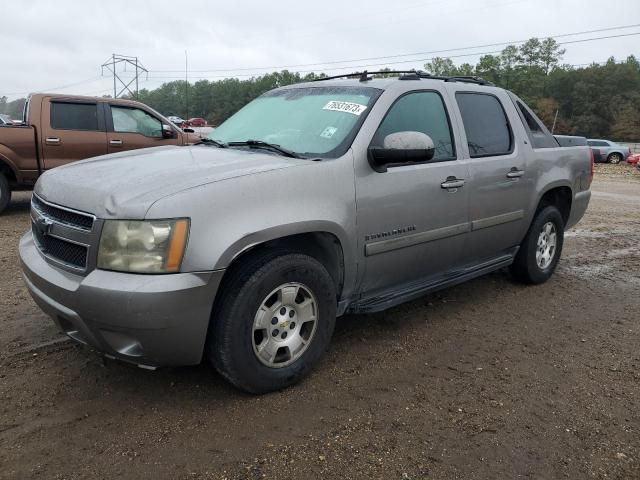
487 380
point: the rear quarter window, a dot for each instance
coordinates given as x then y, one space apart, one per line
538 134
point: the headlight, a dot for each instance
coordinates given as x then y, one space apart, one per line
149 246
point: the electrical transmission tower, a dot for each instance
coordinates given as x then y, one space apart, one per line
118 82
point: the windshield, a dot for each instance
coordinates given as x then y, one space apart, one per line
310 121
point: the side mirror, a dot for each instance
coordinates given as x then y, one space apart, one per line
167 132
401 148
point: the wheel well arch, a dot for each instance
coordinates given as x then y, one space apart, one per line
325 247
7 169
560 197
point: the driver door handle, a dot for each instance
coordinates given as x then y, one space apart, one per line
515 173
452 182
52 141
115 143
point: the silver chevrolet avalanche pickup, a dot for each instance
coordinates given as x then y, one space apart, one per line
313 201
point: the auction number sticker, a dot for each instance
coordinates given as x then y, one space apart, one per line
348 107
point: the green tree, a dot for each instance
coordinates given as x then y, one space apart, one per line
441 67
550 54
595 101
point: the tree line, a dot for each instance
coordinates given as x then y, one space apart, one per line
597 100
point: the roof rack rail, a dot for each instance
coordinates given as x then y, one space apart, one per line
364 75
409 75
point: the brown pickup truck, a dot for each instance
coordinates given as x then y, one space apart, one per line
59 129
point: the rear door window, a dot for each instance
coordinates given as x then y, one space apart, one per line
486 125
419 112
74 116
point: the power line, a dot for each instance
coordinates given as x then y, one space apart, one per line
401 55
61 87
355 67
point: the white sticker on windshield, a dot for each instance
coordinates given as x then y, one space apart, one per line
328 132
348 107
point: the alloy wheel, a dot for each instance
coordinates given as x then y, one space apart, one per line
284 325
546 246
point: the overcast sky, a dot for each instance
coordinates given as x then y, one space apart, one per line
59 45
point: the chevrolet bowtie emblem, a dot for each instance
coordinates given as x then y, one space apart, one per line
43 225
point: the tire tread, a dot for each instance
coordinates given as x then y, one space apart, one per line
246 274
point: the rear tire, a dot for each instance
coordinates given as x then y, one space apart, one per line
615 158
260 301
541 248
5 192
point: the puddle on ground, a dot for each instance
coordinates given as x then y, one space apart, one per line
585 233
623 252
588 270
621 196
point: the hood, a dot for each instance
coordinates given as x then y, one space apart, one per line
125 184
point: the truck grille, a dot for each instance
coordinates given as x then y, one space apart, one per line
63 236
60 250
63 215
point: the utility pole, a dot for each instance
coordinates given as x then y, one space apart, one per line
554 121
186 86
111 65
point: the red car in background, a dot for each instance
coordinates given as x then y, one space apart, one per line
196 122
633 159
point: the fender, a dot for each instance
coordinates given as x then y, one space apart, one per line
4 160
249 241
543 192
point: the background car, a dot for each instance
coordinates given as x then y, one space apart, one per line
597 156
197 122
5 119
613 152
178 121
633 159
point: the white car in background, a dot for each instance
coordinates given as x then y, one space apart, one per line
177 120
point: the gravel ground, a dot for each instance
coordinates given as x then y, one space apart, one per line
486 380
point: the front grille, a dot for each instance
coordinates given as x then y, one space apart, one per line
61 234
60 250
64 216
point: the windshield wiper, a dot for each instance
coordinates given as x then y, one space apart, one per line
209 141
266 145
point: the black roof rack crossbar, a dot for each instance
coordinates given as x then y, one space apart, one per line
468 79
364 76
409 75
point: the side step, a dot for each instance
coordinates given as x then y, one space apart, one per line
418 289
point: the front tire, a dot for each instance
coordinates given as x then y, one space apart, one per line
5 192
615 158
541 248
273 321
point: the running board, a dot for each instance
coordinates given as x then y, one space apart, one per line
419 289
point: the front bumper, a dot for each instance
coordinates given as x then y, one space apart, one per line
149 320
